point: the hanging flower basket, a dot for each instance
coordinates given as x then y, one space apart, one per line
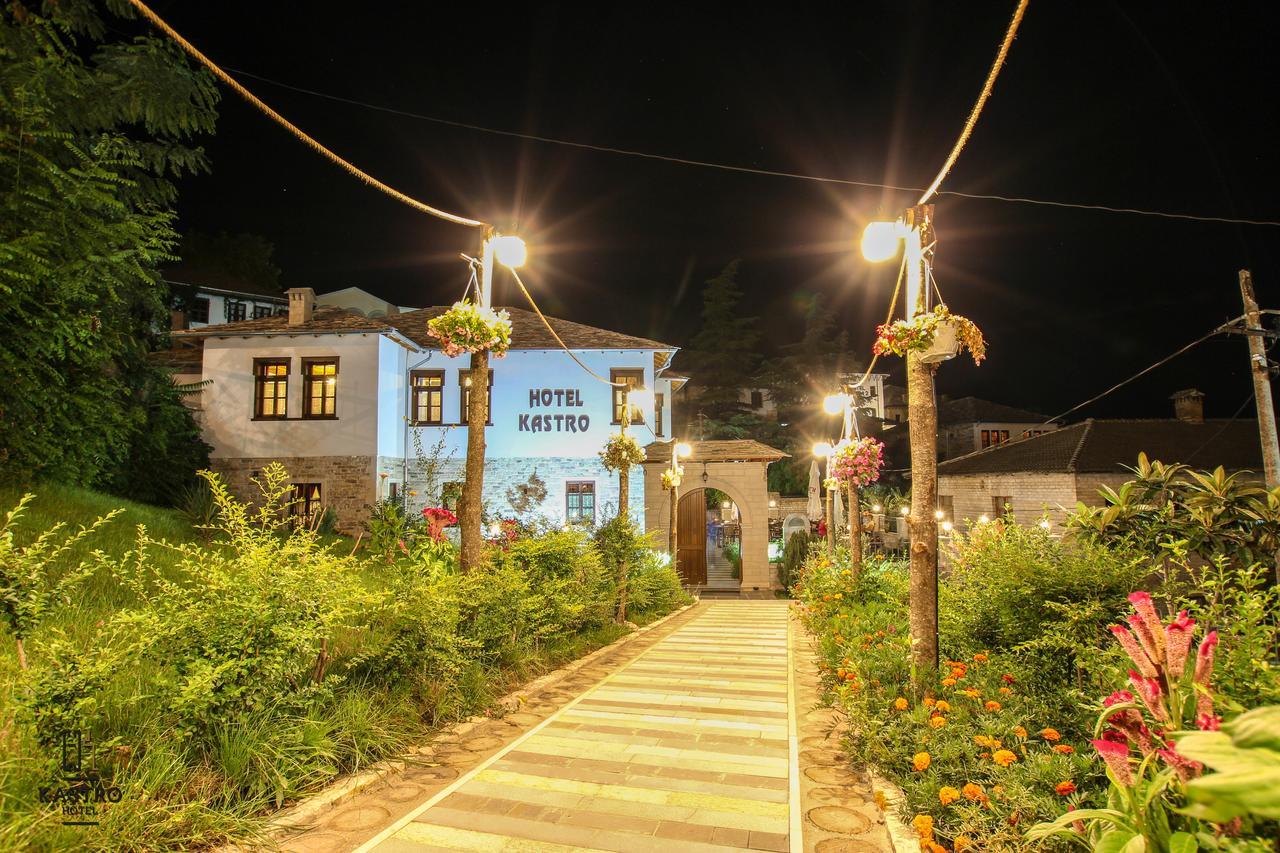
938 335
620 452
467 327
858 463
671 479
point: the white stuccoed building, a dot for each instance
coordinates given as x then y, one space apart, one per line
336 396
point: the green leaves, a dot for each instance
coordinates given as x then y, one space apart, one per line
1246 758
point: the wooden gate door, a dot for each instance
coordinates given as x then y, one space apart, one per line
691 538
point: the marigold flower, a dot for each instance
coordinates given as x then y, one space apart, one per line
1019 731
900 703
973 792
929 701
942 706
1007 678
992 705
1050 734
933 847
1064 749
948 795
982 740
958 672
923 824
962 843
938 721
948 682
981 657
1006 691
1065 789
1004 757
921 761
971 692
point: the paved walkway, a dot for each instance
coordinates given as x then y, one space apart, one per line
690 746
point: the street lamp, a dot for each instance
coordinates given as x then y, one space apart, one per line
674 475
506 249
823 451
880 241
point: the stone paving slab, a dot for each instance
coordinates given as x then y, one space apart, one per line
690 746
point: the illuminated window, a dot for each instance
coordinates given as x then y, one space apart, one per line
993 437
630 379
580 502
428 396
659 404
319 387
305 505
1032 433
464 398
270 388
199 312
234 309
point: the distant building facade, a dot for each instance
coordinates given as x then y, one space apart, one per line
969 424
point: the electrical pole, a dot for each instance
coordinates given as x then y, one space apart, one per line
471 505
923 426
1261 373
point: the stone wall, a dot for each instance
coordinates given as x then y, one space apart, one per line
347 483
1031 494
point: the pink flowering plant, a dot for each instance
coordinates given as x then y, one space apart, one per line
1169 693
858 463
467 327
438 518
918 333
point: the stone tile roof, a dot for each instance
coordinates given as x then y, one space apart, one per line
527 331
741 450
1105 446
182 357
973 410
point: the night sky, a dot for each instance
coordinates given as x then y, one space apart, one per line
1166 106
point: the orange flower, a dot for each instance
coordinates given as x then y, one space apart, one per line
992 705
1019 731
962 843
929 701
981 657
881 802
948 682
985 740
1004 757
958 672
921 761
948 795
943 706
1050 734
923 824
1065 789
938 721
973 792
972 693
1063 749
900 703
1006 691
933 847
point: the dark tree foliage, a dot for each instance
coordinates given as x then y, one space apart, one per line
93 131
809 369
246 259
722 359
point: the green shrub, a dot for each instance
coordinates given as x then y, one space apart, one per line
793 556
655 587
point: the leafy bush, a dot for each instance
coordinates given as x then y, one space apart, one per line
733 553
654 587
793 556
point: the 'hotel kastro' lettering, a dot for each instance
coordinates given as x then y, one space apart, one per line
545 397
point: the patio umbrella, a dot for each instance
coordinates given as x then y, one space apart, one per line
814 508
838 512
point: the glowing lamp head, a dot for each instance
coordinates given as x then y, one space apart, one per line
833 404
510 251
906 510
880 240
938 515
983 519
822 450
946 526
876 508
683 449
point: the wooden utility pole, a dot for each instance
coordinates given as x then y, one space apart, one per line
855 533
1261 373
472 503
923 426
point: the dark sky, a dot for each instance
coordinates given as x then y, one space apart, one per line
1166 106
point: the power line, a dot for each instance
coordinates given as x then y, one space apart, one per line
987 86
1219 330
727 167
310 141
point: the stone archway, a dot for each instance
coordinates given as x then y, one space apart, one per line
737 468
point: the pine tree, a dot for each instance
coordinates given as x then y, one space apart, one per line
93 132
722 359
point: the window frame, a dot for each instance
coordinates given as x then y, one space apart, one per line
259 382
308 380
232 307
576 488
659 409
617 374
464 393
999 503
261 311
947 504
198 311
415 390
303 507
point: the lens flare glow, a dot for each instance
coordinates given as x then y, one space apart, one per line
510 251
880 240
822 449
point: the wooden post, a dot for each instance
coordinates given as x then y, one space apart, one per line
923 425
675 505
829 515
855 533
1261 383
472 502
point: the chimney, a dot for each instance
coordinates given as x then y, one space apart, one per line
1188 405
302 304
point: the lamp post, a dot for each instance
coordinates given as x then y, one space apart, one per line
675 474
641 400
823 451
835 404
510 252
880 241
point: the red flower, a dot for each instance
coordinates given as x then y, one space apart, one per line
438 518
1117 758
